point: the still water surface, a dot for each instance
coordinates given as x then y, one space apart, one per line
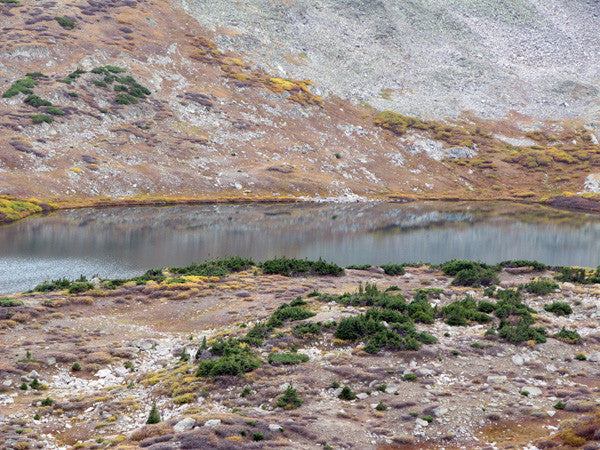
123 242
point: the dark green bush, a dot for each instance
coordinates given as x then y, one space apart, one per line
540 287
288 313
215 268
47 401
535 265
476 277
462 312
65 22
23 86
36 75
577 275
287 358
54 285
35 101
452 267
234 359
568 336
41 118
80 287
521 332
302 329
99 83
359 267
289 399
393 269
295 267
154 416
347 394
559 308
126 99
55 111
9 302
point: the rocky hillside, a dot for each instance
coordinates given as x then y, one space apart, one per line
110 100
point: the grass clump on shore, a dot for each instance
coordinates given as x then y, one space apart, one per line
471 273
216 268
290 267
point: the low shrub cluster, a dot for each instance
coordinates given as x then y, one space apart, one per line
287 358
540 287
290 267
393 269
534 265
559 308
463 312
389 324
215 268
234 358
577 275
471 273
568 336
287 312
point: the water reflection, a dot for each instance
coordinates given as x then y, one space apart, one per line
118 242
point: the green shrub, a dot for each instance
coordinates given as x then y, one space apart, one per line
120 88
99 83
55 111
246 392
47 401
475 277
462 312
107 70
427 419
560 405
78 287
335 385
216 268
347 394
9 302
288 313
54 285
568 336
359 266
521 332
126 99
302 329
287 358
41 118
541 287
453 267
35 101
409 377
154 416
393 269
23 386
258 436
234 359
76 367
289 399
535 265
577 275
295 267
559 308
580 357
35 384
381 406
65 22
22 86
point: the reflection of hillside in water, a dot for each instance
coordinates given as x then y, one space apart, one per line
118 242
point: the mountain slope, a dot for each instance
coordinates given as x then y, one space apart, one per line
104 100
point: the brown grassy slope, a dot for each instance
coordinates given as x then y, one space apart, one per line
213 127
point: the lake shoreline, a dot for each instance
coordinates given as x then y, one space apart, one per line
568 203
